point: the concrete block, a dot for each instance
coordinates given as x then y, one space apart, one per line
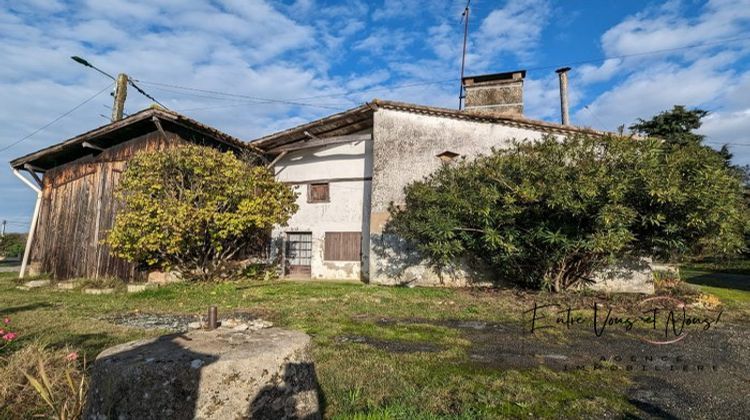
140 287
36 283
219 374
98 291
68 284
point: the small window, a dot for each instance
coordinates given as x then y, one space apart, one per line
317 193
343 246
447 156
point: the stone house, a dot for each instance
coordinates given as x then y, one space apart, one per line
348 167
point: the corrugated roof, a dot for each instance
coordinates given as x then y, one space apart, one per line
346 122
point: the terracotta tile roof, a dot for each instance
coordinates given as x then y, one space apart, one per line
514 121
356 119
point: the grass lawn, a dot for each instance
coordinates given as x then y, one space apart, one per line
357 380
735 266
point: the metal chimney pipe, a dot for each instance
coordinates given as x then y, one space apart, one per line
563 74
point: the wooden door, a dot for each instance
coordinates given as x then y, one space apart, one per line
298 254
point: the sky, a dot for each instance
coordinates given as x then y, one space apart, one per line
252 67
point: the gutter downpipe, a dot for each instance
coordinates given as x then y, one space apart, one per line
34 218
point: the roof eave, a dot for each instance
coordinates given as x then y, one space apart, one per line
140 116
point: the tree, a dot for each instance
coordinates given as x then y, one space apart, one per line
193 209
550 213
675 126
12 245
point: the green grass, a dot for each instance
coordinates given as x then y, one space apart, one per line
733 266
357 380
732 289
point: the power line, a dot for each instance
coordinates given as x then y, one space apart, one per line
294 101
63 115
234 95
265 100
142 92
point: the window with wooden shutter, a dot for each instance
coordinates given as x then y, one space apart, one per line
343 246
317 193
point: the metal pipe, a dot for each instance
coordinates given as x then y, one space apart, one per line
34 218
212 318
563 75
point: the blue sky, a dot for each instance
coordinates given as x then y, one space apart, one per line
333 55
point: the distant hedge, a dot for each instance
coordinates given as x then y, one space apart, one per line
12 244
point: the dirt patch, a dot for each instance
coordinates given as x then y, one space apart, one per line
168 322
697 377
391 346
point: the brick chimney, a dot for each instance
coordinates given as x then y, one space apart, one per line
499 93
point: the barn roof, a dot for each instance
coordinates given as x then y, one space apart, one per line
359 118
121 131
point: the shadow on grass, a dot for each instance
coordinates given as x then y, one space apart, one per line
92 344
721 280
651 410
23 308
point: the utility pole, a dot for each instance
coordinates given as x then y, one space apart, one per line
465 18
2 233
121 92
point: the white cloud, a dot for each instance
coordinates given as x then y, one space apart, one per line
668 27
588 73
385 41
703 77
514 29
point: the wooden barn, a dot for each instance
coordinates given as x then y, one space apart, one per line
75 182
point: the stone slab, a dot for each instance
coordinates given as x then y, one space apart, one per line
160 277
98 291
629 276
33 284
140 287
68 284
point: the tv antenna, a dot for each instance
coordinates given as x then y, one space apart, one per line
465 20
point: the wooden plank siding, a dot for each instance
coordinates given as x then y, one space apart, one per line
78 209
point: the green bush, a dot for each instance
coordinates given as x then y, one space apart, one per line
549 213
194 209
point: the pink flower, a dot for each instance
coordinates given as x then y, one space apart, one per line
6 320
2 332
10 336
71 357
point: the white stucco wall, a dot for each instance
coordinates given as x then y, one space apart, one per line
405 148
347 167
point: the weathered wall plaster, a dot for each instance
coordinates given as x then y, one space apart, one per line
348 167
405 149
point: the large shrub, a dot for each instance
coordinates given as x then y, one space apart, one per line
550 213
193 209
